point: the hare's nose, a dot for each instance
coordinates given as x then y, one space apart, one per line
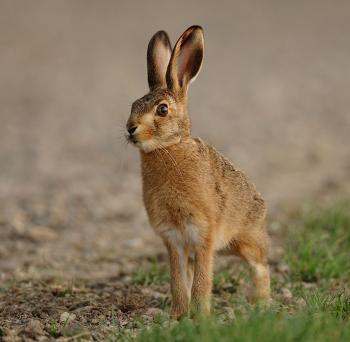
131 130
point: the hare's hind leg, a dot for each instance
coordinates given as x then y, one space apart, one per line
253 249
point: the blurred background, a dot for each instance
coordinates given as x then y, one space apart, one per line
273 96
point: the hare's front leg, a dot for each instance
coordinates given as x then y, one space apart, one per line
202 280
180 279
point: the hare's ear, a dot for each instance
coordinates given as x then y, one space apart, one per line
186 59
158 56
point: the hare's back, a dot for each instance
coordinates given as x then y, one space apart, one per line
237 193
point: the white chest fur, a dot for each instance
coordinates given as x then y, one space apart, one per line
184 243
187 237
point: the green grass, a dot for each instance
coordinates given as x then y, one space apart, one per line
156 274
317 251
54 329
319 245
336 304
325 317
225 280
257 326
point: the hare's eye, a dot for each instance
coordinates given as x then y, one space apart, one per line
162 110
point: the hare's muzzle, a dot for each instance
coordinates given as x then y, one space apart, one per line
131 130
132 136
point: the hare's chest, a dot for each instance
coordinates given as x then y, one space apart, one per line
168 207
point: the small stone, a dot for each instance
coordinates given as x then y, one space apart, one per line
34 328
19 222
153 312
309 285
127 279
279 277
152 293
11 336
301 302
67 317
133 243
40 233
279 251
283 268
286 294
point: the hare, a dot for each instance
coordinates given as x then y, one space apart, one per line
196 200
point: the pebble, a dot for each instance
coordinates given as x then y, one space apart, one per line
34 328
19 222
301 302
67 317
153 312
40 233
309 285
286 294
133 243
152 293
283 268
11 336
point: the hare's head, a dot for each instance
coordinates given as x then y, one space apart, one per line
160 118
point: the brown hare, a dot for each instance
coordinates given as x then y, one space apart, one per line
196 200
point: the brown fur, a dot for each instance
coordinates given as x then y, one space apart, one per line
196 200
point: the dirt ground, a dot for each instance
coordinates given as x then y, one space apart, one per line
273 96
